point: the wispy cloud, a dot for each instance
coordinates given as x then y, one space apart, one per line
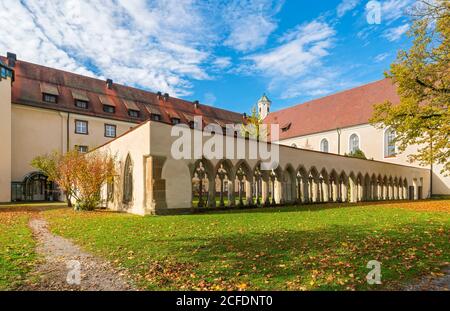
345 6
158 45
302 48
209 98
250 23
295 66
381 57
395 33
392 10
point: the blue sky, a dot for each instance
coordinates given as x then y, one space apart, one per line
224 53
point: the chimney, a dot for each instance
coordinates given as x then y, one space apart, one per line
166 96
196 104
12 58
159 95
109 83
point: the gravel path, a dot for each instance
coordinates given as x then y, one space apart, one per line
62 261
441 283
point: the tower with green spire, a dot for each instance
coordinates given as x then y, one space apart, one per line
264 106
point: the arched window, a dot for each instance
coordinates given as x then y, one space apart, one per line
128 181
294 145
353 143
324 145
389 143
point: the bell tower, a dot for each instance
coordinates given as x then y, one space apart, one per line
264 106
6 79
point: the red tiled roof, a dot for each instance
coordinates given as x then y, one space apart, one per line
31 78
344 109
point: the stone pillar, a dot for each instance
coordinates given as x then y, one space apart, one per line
305 190
155 186
231 195
344 192
335 191
265 191
212 192
249 193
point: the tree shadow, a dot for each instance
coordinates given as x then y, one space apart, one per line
333 258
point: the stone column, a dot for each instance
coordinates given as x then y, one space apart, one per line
231 195
335 190
211 193
265 191
248 193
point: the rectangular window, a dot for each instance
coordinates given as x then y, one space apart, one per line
50 98
110 130
82 149
133 113
81 127
109 109
175 121
81 104
156 117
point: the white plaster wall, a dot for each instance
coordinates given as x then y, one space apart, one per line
5 140
136 144
372 144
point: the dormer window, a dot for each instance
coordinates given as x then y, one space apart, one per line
174 117
109 109
156 117
81 99
81 104
155 113
286 127
108 105
133 109
49 98
5 73
133 113
50 93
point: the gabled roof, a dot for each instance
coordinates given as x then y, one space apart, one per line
340 110
31 79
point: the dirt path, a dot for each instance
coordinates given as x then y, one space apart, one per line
63 260
428 283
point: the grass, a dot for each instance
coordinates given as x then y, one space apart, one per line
17 255
316 247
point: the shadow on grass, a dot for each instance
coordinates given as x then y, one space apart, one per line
30 207
333 258
298 207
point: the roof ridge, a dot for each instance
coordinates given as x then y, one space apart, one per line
331 95
131 88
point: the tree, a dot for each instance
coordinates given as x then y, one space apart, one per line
254 126
80 176
358 153
56 167
422 76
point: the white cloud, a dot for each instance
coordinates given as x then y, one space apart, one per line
209 99
302 49
250 23
159 45
381 57
392 10
395 33
295 68
127 41
345 6
222 62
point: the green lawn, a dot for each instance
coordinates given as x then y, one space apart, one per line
289 248
17 255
